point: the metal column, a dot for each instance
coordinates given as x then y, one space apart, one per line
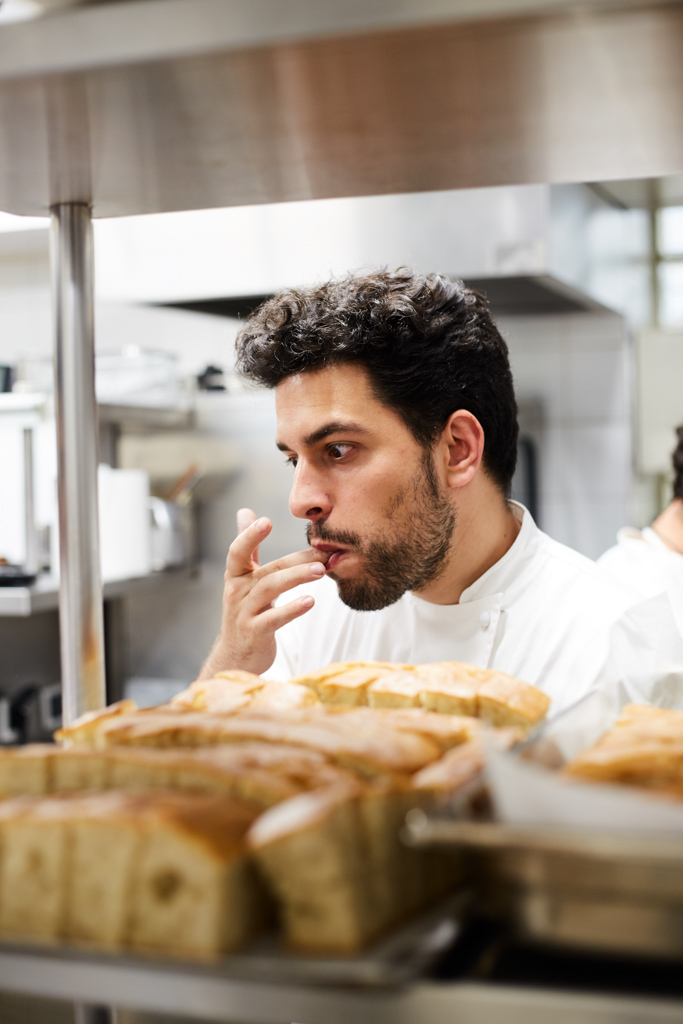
80 591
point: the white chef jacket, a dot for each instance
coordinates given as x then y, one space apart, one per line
642 560
542 613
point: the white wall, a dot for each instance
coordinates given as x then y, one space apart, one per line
580 369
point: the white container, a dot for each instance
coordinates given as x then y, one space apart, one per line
125 535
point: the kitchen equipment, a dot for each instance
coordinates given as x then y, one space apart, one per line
15 576
125 536
593 890
129 375
6 378
552 866
172 538
134 375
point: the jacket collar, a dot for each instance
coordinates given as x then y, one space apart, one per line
515 562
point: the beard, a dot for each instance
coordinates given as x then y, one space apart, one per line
413 551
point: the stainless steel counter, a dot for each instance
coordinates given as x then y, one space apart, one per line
213 995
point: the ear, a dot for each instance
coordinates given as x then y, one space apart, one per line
463 443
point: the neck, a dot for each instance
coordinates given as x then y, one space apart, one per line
484 532
669 526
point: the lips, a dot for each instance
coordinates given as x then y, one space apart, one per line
334 559
334 553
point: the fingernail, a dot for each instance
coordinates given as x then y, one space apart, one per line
307 602
262 525
317 569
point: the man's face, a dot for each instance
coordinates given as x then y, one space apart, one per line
371 493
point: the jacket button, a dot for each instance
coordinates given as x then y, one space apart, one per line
485 620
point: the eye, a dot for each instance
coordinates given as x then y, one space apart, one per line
291 461
338 451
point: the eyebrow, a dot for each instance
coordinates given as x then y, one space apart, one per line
335 427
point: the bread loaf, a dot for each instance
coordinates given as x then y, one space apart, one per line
312 853
86 728
34 848
506 701
373 749
164 873
25 770
194 891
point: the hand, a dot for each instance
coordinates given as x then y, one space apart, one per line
247 637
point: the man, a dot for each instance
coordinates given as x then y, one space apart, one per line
651 560
396 410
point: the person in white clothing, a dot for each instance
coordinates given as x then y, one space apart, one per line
396 409
651 560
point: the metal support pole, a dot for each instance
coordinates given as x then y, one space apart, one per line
80 589
31 559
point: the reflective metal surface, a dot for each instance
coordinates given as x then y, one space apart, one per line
608 891
80 595
593 94
204 994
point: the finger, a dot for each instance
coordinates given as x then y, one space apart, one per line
273 619
272 586
289 561
241 556
245 518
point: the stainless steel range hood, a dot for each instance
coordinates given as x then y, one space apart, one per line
531 249
183 104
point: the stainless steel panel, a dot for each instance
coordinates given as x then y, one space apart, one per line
601 891
569 97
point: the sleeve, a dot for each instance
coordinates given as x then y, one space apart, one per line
645 660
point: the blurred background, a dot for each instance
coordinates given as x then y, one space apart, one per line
585 279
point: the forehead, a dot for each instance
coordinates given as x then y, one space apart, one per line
306 401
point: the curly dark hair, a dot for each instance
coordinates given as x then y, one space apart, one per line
428 343
677 460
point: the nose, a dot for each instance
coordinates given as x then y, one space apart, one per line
308 498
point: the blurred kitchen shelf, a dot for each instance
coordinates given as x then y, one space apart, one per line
145 417
44 594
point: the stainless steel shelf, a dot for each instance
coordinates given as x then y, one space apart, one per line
273 102
213 994
145 417
44 594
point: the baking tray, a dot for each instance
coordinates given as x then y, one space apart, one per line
612 892
399 958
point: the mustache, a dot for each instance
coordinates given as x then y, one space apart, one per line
318 531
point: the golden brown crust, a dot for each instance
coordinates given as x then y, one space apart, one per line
463 764
282 698
504 700
340 668
304 812
372 750
396 690
644 748
454 770
86 728
227 693
446 730
350 688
